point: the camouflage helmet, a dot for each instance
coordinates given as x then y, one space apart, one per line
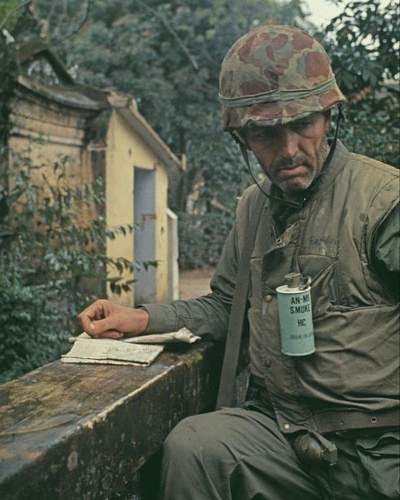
274 75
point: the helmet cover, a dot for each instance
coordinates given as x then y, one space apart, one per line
274 75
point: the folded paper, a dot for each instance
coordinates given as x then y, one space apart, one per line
133 351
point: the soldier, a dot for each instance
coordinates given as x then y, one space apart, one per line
322 425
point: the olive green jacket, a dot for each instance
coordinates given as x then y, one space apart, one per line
352 380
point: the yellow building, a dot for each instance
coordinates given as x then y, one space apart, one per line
102 134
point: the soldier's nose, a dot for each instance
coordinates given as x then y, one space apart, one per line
289 144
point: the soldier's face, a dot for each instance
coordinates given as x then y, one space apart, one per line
291 155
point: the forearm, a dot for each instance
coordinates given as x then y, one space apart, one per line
207 315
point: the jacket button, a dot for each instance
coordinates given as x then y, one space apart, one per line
286 427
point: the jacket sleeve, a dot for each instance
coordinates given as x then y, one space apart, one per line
387 252
207 315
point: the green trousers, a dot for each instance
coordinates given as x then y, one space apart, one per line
240 454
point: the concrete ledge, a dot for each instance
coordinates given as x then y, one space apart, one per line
82 431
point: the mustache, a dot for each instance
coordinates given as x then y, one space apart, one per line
283 163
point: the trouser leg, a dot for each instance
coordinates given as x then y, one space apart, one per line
232 454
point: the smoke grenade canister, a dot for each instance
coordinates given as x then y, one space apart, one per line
295 316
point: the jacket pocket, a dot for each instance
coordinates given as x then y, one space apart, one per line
321 271
380 456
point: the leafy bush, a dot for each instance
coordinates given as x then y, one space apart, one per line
363 42
202 238
31 332
52 262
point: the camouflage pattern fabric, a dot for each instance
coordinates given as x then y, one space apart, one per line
274 75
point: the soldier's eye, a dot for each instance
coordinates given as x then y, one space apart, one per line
254 135
301 125
261 134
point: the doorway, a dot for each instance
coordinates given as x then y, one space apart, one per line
144 234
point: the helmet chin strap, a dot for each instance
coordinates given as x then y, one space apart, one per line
339 118
245 155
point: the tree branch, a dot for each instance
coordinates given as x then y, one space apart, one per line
81 24
166 25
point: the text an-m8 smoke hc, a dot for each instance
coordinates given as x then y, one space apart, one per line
295 316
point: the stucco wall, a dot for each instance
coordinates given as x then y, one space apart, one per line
125 151
161 234
119 197
45 134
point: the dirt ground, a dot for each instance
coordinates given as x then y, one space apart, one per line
194 283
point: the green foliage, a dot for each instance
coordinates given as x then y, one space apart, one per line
364 43
51 262
32 332
202 237
9 14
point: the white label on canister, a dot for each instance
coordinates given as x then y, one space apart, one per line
295 320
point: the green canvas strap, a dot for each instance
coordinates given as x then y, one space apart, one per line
238 309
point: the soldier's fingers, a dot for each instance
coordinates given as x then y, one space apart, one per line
85 322
93 312
111 334
99 327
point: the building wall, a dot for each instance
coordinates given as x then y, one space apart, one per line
46 133
162 234
125 151
119 198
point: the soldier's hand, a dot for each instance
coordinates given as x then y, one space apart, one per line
107 320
